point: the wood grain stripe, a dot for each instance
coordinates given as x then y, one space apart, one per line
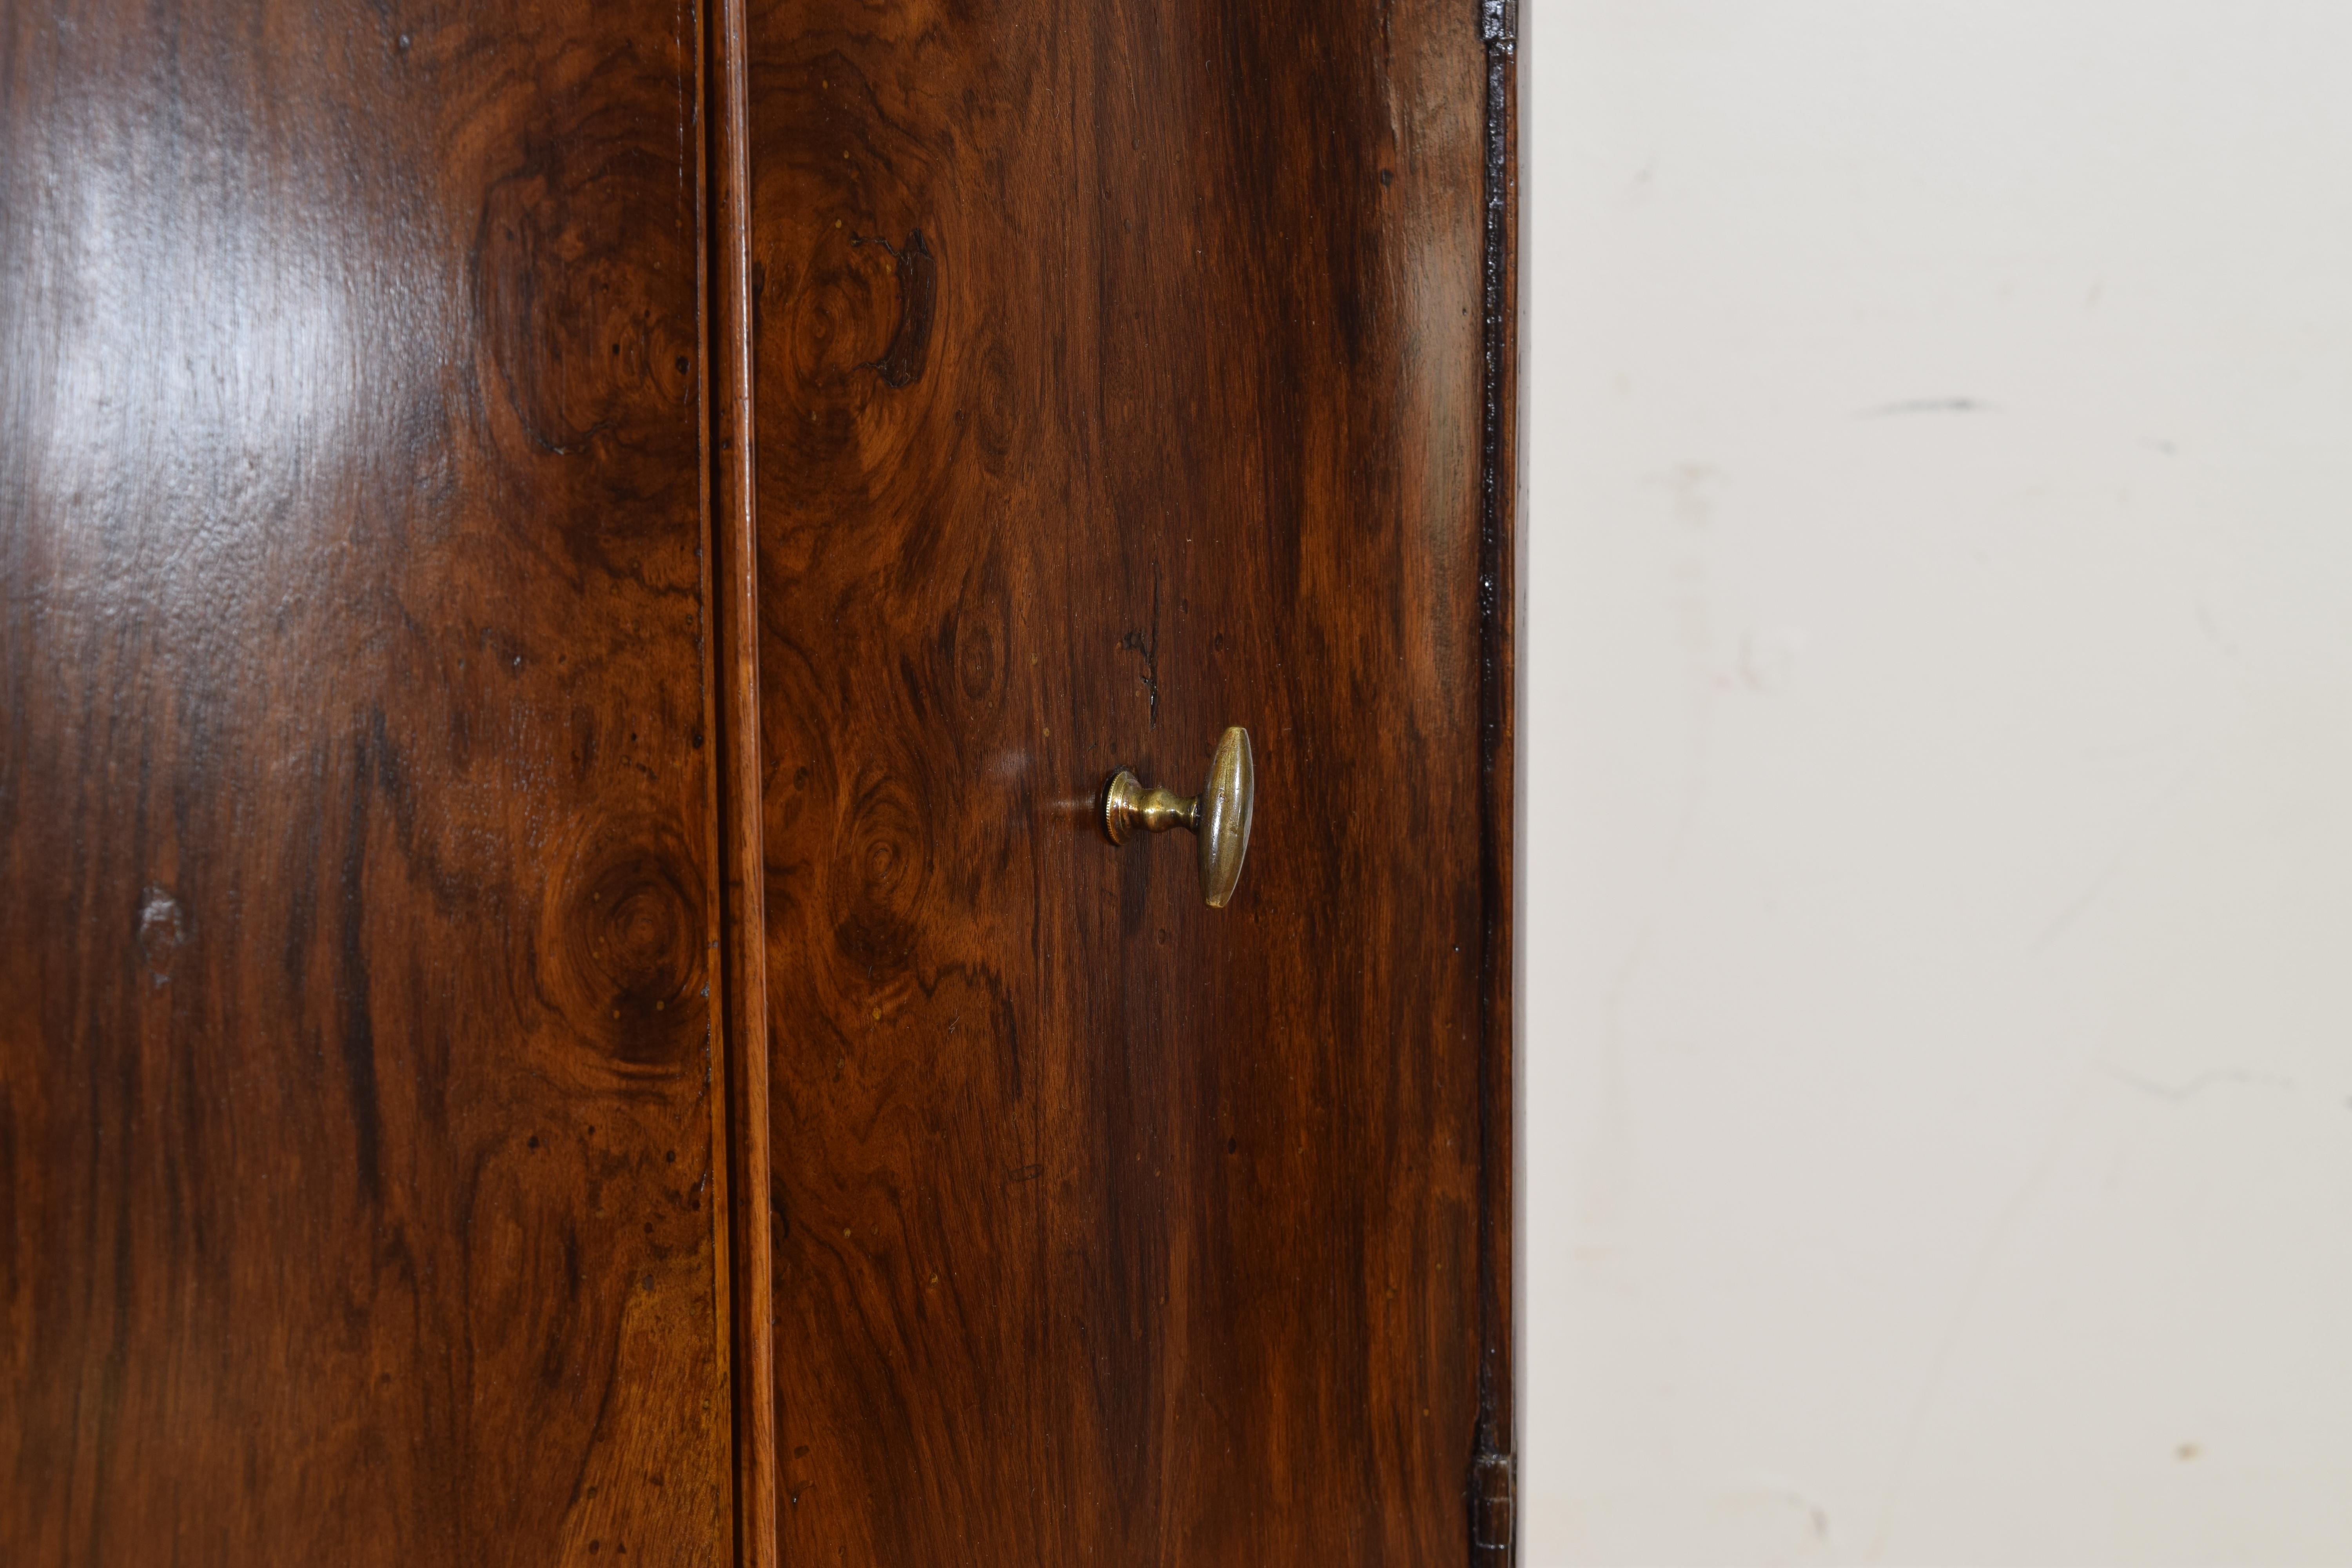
735 622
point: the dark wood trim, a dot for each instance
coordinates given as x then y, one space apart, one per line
1494 1463
735 622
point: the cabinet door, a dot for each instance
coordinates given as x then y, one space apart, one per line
1125 372
358 1192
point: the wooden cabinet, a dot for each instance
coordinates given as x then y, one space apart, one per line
571 578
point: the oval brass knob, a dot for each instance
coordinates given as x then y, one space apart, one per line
1220 814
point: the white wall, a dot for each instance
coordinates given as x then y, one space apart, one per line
1940 984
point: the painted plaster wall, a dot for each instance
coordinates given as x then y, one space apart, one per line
1940 970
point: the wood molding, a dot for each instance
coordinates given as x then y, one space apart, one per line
735 619
1501 585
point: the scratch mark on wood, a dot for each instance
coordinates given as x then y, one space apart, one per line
1134 642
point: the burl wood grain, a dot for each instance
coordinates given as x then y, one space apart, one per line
1122 374
357 1073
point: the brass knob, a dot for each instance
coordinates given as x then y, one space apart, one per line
1220 814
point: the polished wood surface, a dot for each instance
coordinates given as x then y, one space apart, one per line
1124 373
358 844
734 588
